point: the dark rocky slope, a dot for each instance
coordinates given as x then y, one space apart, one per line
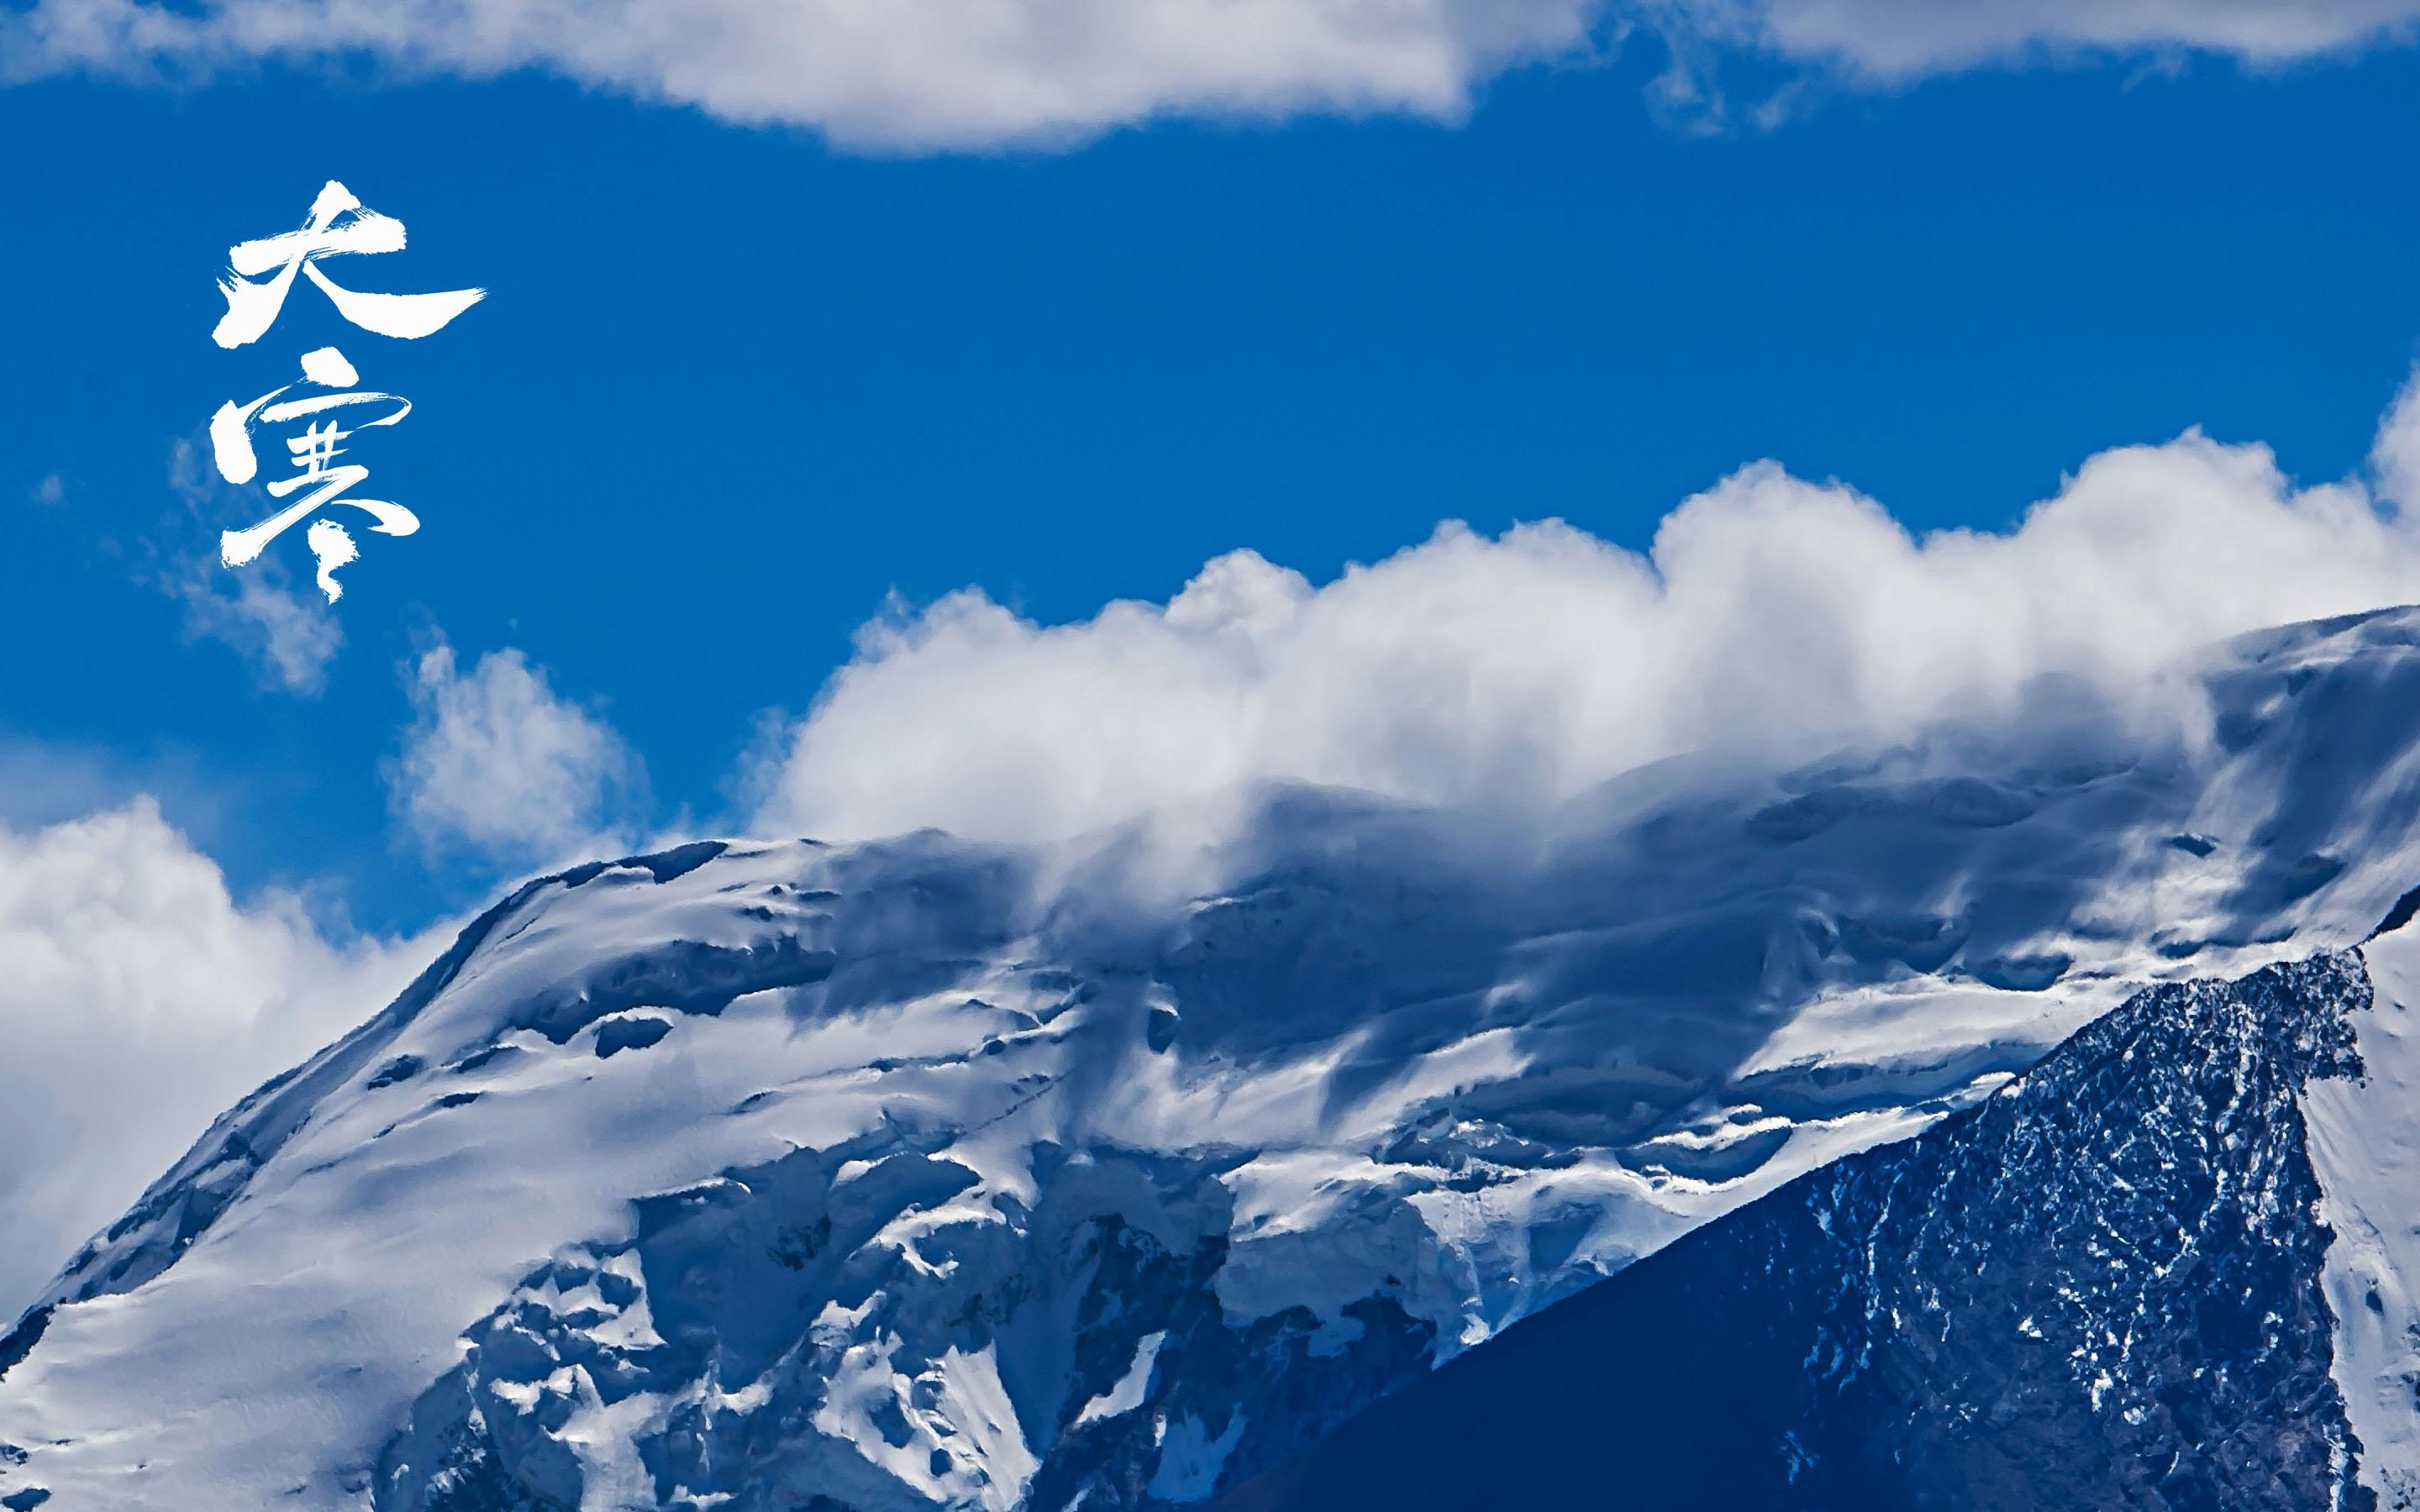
2100 1288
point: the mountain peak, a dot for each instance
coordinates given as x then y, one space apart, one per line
927 1173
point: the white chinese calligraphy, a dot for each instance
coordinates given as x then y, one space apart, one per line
319 483
338 225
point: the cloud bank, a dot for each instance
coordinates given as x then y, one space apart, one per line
928 74
1770 611
496 765
140 1000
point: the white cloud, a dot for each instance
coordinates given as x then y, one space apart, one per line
495 763
1525 669
140 1000
923 74
1888 40
291 637
914 73
2395 456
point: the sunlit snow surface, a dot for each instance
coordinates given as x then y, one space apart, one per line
932 1174
2364 1139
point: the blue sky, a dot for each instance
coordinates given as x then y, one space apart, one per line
733 386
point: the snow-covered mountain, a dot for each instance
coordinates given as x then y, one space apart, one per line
932 1174
2167 1268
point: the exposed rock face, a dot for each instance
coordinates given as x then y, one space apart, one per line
2099 1289
759 1327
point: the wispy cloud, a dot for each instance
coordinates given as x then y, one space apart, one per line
498 765
1889 40
908 73
2395 456
928 74
290 635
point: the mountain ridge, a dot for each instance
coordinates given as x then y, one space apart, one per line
2101 1288
1090 1191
